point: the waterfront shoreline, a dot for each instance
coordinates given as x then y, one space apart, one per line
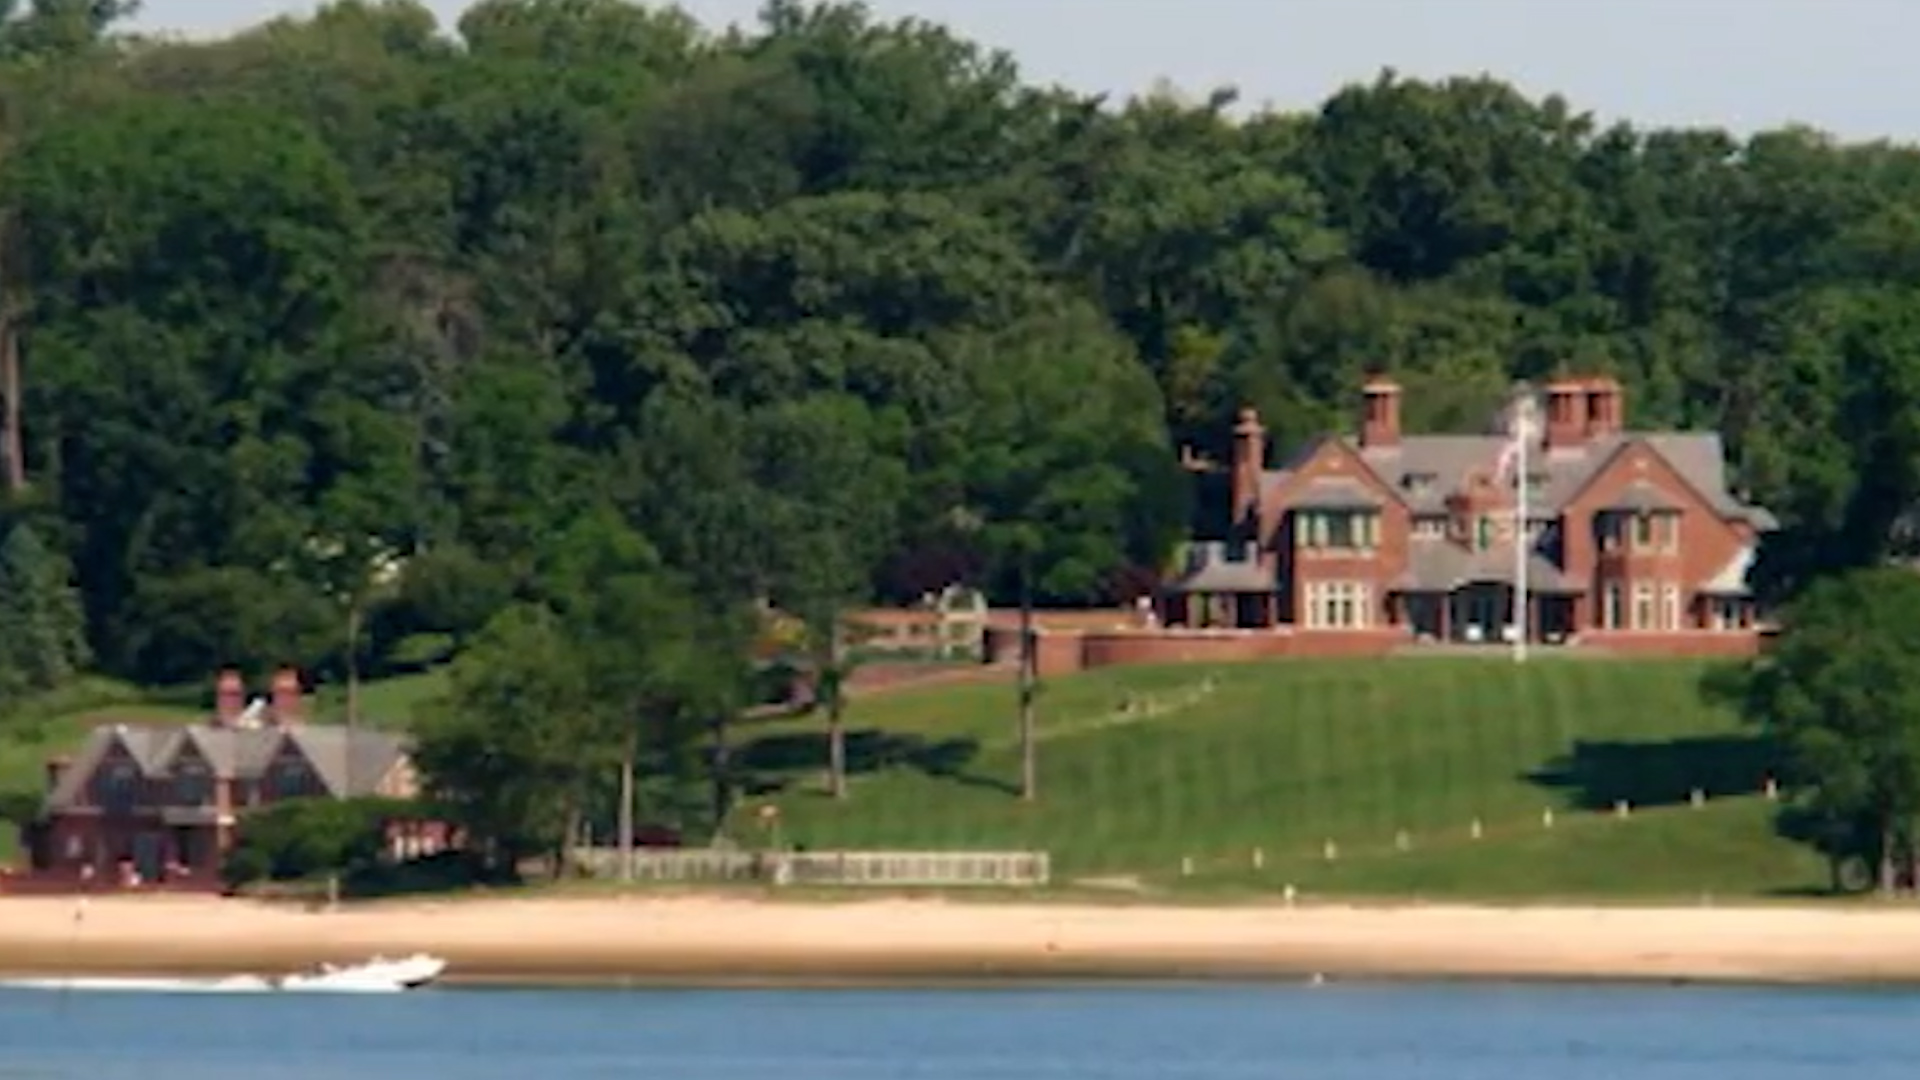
720 941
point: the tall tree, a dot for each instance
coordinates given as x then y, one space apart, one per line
830 499
43 641
645 643
513 746
1841 691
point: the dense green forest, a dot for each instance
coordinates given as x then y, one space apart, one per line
825 308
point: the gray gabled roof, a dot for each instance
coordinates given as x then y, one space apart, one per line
1220 566
1233 577
348 766
81 769
1336 494
1425 469
1641 497
346 763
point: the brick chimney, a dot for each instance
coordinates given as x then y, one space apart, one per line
1605 408
1567 421
229 698
56 767
1249 459
287 707
1380 413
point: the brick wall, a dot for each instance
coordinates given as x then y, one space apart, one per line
1064 652
1656 643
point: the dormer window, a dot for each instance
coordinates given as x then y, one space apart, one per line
292 779
1642 532
1337 530
192 784
117 787
1419 481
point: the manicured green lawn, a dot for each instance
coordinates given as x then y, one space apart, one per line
1725 850
1146 772
1169 779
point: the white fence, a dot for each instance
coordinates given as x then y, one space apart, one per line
896 869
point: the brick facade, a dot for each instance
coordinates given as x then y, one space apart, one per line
1354 545
160 806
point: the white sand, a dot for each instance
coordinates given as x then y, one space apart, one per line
698 937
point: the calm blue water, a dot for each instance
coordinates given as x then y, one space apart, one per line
1333 1032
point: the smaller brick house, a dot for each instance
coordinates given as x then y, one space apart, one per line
1634 539
159 805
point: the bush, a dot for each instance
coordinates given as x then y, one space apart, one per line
20 808
448 871
303 838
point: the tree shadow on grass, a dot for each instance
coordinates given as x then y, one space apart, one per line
773 764
1598 775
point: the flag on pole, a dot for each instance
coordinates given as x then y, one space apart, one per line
1506 469
1513 463
1519 429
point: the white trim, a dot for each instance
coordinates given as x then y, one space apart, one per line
1338 605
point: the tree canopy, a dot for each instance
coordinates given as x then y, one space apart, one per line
1841 693
833 285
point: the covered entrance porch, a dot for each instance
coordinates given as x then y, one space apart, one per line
1481 613
1221 610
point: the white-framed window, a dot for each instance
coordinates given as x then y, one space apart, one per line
1430 527
1643 606
1644 532
1339 605
1337 530
1670 607
1613 606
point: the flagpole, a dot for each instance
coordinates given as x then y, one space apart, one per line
1523 434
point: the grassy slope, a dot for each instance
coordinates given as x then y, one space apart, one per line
1214 763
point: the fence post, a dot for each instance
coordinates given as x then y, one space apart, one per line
941 869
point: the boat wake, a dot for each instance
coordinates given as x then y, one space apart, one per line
235 984
376 976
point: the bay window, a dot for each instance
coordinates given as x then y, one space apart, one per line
1339 605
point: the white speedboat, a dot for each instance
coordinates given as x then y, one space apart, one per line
376 976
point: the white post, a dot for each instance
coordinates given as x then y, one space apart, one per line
1523 432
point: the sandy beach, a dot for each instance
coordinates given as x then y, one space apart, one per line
691 939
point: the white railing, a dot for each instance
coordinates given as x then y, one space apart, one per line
895 869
